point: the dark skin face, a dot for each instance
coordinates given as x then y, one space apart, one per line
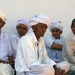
56 33
39 30
22 30
73 29
2 23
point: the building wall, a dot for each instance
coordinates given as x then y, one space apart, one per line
56 10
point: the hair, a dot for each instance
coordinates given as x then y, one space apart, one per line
73 21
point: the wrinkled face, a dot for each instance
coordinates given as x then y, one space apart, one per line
73 29
22 29
1 23
39 29
56 33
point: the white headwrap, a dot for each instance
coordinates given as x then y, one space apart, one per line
39 18
23 21
56 25
2 16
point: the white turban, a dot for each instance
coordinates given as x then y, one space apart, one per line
56 25
2 16
39 18
23 21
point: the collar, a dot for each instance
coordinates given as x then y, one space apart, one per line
35 39
17 34
2 34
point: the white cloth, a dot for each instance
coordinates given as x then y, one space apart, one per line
54 53
2 16
39 18
23 21
5 48
68 53
6 69
27 57
46 69
56 25
14 43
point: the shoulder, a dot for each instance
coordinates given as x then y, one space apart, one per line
49 37
27 38
5 35
13 36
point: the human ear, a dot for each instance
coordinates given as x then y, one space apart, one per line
34 28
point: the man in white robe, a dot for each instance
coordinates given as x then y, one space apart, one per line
22 28
53 42
68 51
6 60
31 58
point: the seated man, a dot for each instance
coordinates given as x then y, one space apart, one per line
53 42
6 60
22 28
68 51
31 58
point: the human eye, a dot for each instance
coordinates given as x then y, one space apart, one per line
24 29
20 27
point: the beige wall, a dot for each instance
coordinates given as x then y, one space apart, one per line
56 10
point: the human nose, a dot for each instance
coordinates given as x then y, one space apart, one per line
44 30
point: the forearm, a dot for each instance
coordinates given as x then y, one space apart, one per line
56 46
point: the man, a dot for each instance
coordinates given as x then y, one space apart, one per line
68 51
6 60
53 42
31 58
22 28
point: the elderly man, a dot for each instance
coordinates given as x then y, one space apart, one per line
53 42
31 58
22 28
6 60
68 50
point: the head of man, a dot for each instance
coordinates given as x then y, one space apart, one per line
73 26
39 24
39 29
22 27
2 19
56 29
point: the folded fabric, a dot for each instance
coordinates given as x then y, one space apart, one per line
64 65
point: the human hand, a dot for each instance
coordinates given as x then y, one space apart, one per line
58 71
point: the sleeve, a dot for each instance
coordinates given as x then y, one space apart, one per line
9 46
13 46
20 63
48 42
67 53
26 57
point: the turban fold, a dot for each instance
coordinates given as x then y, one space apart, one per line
23 21
2 16
39 18
56 25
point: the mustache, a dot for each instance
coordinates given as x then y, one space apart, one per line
21 32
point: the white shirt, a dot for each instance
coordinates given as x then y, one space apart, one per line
5 49
27 56
68 53
53 53
14 43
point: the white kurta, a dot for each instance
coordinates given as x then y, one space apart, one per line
54 53
5 48
68 53
14 43
27 56
5 51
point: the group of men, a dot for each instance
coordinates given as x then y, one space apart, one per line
30 54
